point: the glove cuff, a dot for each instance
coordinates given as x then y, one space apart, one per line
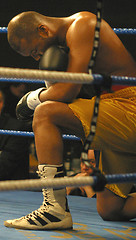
33 98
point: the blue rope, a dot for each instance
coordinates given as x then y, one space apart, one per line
31 134
19 80
114 179
124 30
116 30
123 80
118 178
116 80
3 29
16 133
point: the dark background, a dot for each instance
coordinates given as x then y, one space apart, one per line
118 13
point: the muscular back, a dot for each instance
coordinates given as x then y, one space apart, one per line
112 57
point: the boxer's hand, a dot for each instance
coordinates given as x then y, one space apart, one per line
27 104
23 112
55 58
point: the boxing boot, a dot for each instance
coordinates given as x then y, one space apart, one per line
53 213
27 104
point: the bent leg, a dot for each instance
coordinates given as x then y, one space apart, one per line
114 208
50 118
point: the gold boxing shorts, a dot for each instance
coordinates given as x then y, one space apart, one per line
115 133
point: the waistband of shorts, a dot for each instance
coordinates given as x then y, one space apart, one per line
128 93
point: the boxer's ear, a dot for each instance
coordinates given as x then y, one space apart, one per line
43 30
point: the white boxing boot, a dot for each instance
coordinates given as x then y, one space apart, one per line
53 213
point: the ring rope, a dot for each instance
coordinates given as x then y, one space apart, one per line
97 79
38 76
64 182
124 30
3 29
116 30
6 72
31 134
49 183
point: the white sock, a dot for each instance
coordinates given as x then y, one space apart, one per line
46 170
33 98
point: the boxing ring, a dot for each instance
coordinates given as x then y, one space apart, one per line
15 196
87 222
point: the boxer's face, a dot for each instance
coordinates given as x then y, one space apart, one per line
36 44
33 47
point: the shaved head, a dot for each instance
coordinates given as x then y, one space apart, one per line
31 33
23 26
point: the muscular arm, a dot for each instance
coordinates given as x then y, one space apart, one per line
61 92
79 39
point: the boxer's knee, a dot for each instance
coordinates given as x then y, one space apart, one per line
43 113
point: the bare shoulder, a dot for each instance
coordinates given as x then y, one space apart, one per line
81 20
81 27
79 39
83 14
87 21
